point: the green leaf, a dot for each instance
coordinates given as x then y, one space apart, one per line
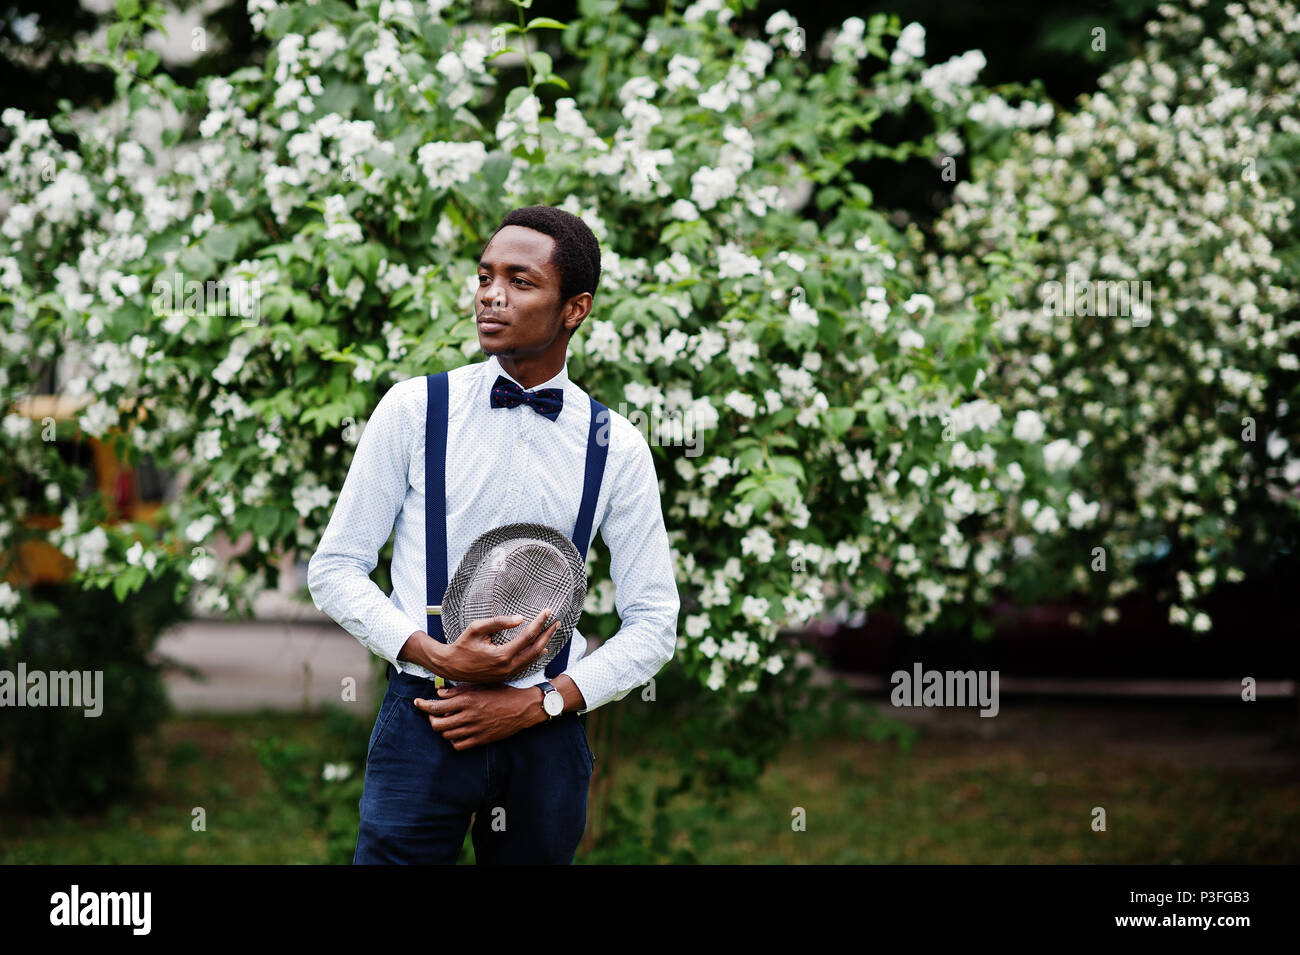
784 464
128 582
265 521
221 243
749 459
541 63
546 23
128 8
494 171
148 62
115 34
839 420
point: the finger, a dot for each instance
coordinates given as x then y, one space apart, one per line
539 647
439 707
446 724
457 734
490 625
534 627
523 648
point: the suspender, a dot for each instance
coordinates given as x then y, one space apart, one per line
435 501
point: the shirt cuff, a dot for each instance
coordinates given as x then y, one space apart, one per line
389 636
595 689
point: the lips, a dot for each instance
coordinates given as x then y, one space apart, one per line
490 323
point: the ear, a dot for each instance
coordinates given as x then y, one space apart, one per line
576 311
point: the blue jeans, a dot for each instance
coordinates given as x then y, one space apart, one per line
528 792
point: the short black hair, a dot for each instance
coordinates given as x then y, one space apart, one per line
576 254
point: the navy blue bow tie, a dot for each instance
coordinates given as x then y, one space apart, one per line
547 402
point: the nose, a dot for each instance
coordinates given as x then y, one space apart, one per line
492 295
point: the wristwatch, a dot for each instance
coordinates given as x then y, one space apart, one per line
552 700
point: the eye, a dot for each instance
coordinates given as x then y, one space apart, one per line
525 281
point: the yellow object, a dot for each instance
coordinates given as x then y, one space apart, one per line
39 562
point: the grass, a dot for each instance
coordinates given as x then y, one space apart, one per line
951 800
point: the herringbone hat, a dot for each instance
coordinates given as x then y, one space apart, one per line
518 569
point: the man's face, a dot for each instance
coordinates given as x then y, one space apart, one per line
518 306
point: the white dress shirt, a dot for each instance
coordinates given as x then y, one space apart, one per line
504 465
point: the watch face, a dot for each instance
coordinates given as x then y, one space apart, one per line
553 703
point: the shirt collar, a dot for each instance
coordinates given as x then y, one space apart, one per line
559 381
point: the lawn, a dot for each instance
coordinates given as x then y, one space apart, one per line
1015 797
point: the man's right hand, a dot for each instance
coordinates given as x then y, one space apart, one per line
473 657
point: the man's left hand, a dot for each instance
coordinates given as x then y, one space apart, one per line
470 715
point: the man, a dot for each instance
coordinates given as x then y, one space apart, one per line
479 745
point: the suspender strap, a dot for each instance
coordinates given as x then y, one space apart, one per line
435 499
597 451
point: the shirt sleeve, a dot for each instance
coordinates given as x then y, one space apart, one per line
645 588
338 575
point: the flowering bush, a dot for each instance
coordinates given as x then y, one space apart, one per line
238 299
1176 409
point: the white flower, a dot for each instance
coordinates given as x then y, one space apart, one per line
684 210
1029 426
755 608
742 353
710 186
741 403
803 314
919 301
339 223
1061 455
911 43
1046 521
90 548
202 566
697 625
207 446
199 529
911 339
717 676
445 164
759 543
948 81
336 772
779 22
640 87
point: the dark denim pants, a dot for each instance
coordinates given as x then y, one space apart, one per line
528 791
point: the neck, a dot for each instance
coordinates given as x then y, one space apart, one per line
530 372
